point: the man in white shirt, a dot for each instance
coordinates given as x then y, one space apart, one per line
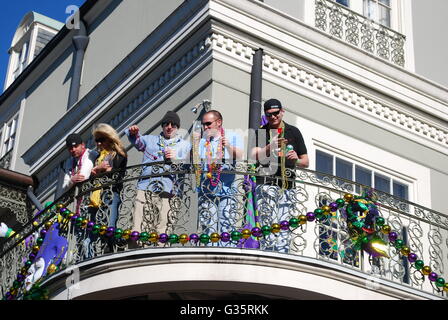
78 167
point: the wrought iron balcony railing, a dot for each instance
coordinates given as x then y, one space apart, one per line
355 29
245 209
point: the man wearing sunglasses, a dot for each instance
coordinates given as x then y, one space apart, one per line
152 203
219 148
79 167
282 151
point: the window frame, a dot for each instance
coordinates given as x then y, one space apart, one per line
7 145
363 165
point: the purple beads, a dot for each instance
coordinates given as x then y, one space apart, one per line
310 216
134 236
256 232
433 276
412 257
225 237
90 225
393 236
333 206
110 232
284 225
194 238
163 238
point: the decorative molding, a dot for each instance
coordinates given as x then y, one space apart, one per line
355 99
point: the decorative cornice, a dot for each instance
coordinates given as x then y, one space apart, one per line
354 98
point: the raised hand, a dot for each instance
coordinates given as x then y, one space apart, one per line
134 130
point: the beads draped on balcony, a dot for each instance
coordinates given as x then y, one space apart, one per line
250 211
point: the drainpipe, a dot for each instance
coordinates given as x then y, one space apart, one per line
80 42
255 98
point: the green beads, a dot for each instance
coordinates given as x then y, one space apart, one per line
204 238
380 221
266 230
419 264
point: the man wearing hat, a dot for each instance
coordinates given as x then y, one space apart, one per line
78 167
280 149
152 203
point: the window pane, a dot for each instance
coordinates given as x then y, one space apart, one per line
343 2
13 127
344 169
7 131
10 143
400 190
384 17
370 9
382 183
386 2
324 162
363 176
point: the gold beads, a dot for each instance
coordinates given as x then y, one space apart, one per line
426 270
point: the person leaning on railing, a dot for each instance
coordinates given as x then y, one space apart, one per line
218 149
152 202
283 149
78 168
112 156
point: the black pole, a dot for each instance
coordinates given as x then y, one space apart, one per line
255 98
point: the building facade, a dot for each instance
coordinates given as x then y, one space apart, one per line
357 77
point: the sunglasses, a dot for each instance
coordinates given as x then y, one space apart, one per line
270 114
165 124
206 124
101 139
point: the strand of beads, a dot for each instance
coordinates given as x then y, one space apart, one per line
213 166
21 276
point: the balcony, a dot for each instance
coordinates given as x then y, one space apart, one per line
312 242
355 29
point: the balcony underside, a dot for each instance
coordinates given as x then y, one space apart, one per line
218 273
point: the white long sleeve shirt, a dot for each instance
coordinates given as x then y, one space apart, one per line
73 166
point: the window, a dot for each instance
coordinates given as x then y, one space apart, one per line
343 2
378 10
9 136
329 164
21 62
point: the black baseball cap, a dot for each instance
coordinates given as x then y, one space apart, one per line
272 104
73 140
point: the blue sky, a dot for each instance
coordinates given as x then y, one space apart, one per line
12 13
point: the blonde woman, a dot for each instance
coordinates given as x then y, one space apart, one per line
112 156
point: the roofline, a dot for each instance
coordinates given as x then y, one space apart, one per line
44 53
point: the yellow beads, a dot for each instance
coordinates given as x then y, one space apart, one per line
426 270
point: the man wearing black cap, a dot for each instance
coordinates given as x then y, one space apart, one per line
282 151
153 194
78 167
